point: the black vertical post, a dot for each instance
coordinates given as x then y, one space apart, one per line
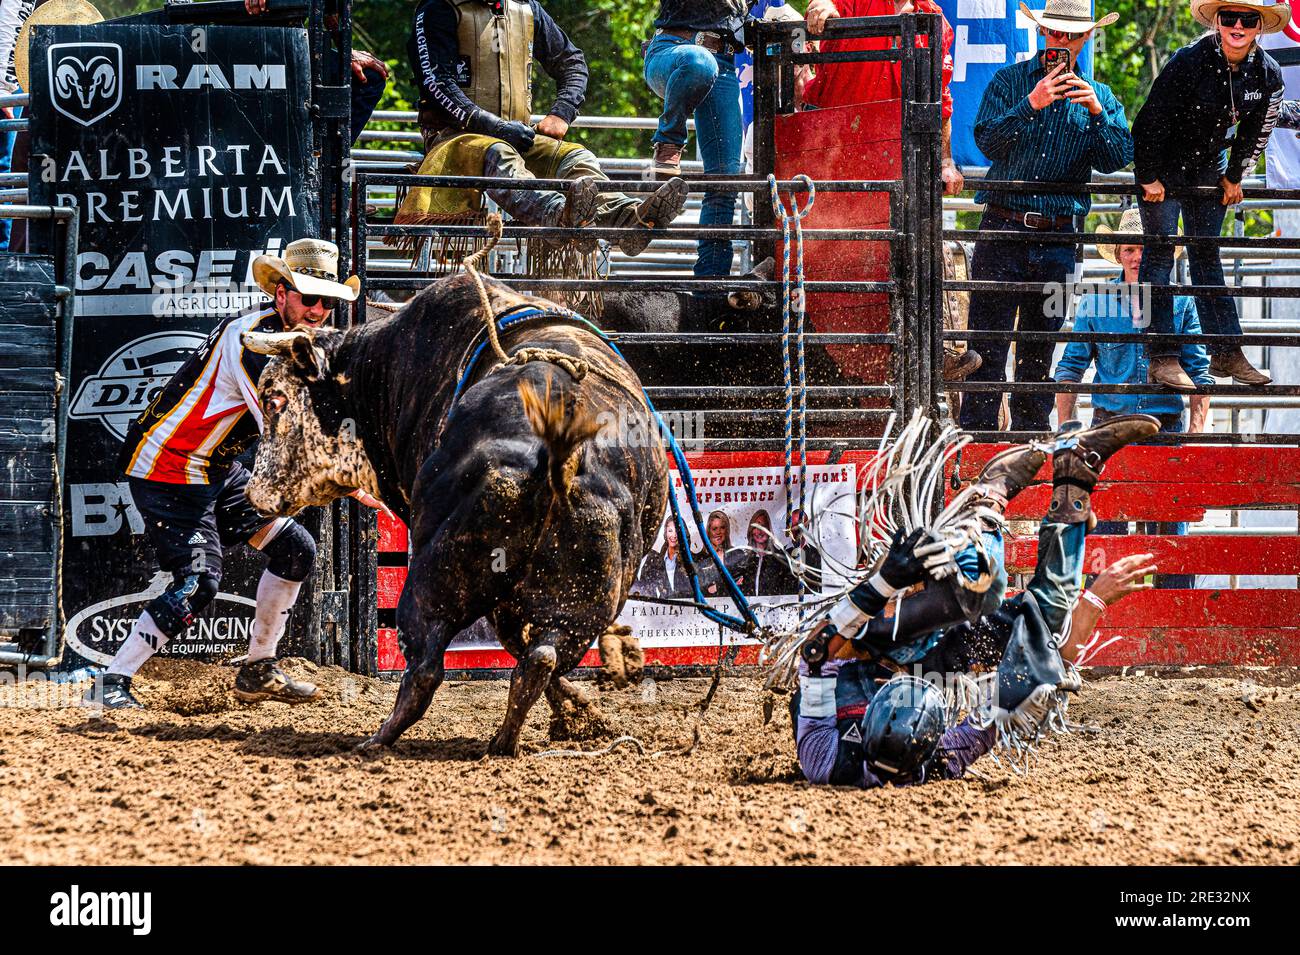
767 52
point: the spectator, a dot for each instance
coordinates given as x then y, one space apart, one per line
844 84
1181 138
1037 125
764 568
369 76
662 573
690 62
1122 363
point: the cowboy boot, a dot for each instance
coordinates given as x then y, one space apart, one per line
1235 365
654 212
1007 474
1167 370
1078 461
958 366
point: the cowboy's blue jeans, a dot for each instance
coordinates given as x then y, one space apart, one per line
1058 574
692 80
6 155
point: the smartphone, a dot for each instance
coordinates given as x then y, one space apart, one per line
1055 55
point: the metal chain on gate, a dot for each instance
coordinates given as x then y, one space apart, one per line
793 301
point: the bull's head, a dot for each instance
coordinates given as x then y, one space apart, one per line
85 80
311 452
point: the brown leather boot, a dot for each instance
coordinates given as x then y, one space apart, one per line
1167 370
668 160
1079 458
1009 473
959 367
1235 365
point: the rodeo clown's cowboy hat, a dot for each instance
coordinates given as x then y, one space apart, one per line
53 13
1068 16
1130 223
1273 14
310 266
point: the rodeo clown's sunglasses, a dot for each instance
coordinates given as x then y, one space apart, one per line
1231 18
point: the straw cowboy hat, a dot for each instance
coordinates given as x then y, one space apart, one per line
54 13
1068 16
1273 14
310 266
1130 223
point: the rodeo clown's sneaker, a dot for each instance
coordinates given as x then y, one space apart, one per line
263 680
112 691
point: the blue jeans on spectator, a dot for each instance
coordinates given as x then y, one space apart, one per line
1201 216
1169 424
6 154
692 80
1039 262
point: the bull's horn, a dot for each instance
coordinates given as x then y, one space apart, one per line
271 343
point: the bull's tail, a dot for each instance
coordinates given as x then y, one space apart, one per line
563 431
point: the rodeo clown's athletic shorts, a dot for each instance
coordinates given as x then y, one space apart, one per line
189 524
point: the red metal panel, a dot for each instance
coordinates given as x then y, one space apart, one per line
1186 646
1220 465
860 142
1206 608
1176 555
389 583
392 534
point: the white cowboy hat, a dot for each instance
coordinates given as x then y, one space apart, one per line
1068 16
1273 14
311 266
1130 223
54 13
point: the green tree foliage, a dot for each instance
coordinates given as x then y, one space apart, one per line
1132 51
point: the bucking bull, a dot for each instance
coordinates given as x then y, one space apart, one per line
522 507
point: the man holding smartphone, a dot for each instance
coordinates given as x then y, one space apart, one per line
1039 121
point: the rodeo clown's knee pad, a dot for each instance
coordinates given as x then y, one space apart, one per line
175 608
291 554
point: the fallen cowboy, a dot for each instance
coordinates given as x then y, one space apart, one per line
516 513
887 697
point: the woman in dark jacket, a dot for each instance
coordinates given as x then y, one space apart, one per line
1206 122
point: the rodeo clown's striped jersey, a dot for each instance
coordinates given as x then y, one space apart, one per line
208 413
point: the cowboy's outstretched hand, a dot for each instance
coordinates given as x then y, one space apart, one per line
1126 576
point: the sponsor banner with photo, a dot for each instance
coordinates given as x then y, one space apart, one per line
187 151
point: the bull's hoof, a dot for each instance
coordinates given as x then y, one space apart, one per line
502 747
372 746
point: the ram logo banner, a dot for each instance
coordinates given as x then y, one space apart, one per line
131 378
85 80
987 35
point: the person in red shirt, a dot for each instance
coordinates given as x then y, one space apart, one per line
844 84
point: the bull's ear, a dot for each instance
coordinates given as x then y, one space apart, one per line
279 344
309 359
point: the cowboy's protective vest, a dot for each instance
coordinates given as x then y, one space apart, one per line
495 68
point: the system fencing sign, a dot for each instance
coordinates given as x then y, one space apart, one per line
187 151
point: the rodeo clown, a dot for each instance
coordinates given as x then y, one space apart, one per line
863 721
473 61
180 459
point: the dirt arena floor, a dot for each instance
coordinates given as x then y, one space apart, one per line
1198 768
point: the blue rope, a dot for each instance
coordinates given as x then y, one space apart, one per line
793 301
745 623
